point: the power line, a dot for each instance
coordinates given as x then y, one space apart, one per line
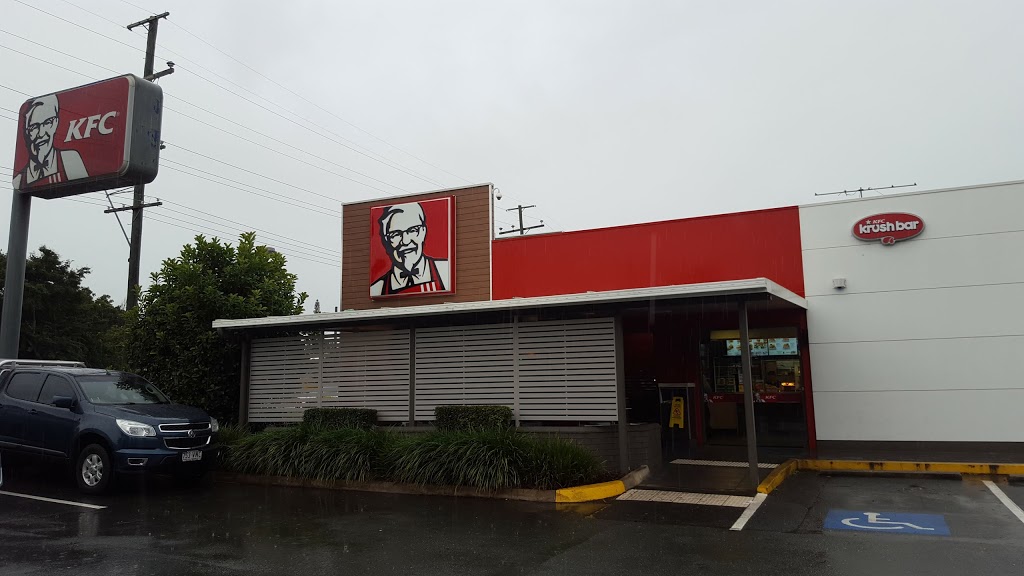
327 252
309 207
46 61
235 231
262 145
246 170
77 25
280 238
40 44
297 95
208 229
240 137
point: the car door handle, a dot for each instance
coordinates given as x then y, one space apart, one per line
33 411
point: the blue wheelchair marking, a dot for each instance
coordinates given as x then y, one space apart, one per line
887 522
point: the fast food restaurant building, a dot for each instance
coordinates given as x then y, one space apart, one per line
887 319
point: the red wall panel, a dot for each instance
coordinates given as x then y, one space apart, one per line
763 243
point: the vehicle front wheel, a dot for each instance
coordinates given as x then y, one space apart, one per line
94 469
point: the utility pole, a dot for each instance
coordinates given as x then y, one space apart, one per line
138 203
522 229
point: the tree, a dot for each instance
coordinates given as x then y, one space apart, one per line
60 318
170 338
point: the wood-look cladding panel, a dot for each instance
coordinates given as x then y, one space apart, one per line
472 251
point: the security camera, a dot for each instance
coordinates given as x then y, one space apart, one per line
497 193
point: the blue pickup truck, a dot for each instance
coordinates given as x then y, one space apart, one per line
102 422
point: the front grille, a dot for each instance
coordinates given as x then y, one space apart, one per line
186 443
185 426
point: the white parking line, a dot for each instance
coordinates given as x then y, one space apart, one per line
54 500
749 512
1005 500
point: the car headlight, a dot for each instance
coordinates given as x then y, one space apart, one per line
133 428
214 425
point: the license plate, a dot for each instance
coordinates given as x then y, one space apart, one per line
192 456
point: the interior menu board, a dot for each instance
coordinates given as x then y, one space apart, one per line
764 347
782 347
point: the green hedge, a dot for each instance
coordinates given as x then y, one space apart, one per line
488 459
340 418
450 418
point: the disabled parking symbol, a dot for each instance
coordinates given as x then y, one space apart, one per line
887 522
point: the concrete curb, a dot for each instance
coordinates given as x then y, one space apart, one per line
584 493
783 471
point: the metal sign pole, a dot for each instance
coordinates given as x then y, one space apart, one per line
14 286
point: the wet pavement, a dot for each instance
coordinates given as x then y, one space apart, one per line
158 528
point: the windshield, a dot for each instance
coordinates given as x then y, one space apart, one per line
120 389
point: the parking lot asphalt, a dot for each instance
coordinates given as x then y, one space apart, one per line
158 528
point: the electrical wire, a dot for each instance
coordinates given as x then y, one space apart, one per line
77 25
224 130
208 229
40 44
299 244
280 238
201 229
310 207
296 94
221 229
262 145
306 100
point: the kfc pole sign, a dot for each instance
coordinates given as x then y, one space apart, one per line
94 137
888 228
412 248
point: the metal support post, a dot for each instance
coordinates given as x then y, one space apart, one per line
748 394
620 394
14 287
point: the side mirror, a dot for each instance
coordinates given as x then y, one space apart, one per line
64 402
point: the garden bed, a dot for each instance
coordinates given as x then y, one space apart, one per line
450 461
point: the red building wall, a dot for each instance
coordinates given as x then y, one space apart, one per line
763 243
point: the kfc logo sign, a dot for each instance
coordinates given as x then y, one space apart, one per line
888 228
412 248
93 137
98 122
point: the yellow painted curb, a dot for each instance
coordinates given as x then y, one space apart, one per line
897 466
778 476
590 492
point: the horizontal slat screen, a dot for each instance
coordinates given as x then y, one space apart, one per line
544 371
463 365
368 370
284 378
567 370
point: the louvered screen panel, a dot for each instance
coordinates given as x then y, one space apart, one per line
567 370
284 378
368 370
463 365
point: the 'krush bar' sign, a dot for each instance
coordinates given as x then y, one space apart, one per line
93 137
888 228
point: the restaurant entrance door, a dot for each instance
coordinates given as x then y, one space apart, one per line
778 384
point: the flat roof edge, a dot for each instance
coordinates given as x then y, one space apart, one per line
725 288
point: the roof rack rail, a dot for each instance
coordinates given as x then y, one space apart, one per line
62 363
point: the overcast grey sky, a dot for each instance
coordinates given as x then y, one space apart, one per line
601 113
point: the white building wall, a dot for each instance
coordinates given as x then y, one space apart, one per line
926 343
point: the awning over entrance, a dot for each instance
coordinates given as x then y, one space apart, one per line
753 286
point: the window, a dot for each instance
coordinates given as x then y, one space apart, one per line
25 386
120 388
55 386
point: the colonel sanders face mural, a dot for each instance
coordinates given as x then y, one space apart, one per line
46 163
403 230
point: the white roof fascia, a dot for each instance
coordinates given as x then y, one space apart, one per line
728 288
